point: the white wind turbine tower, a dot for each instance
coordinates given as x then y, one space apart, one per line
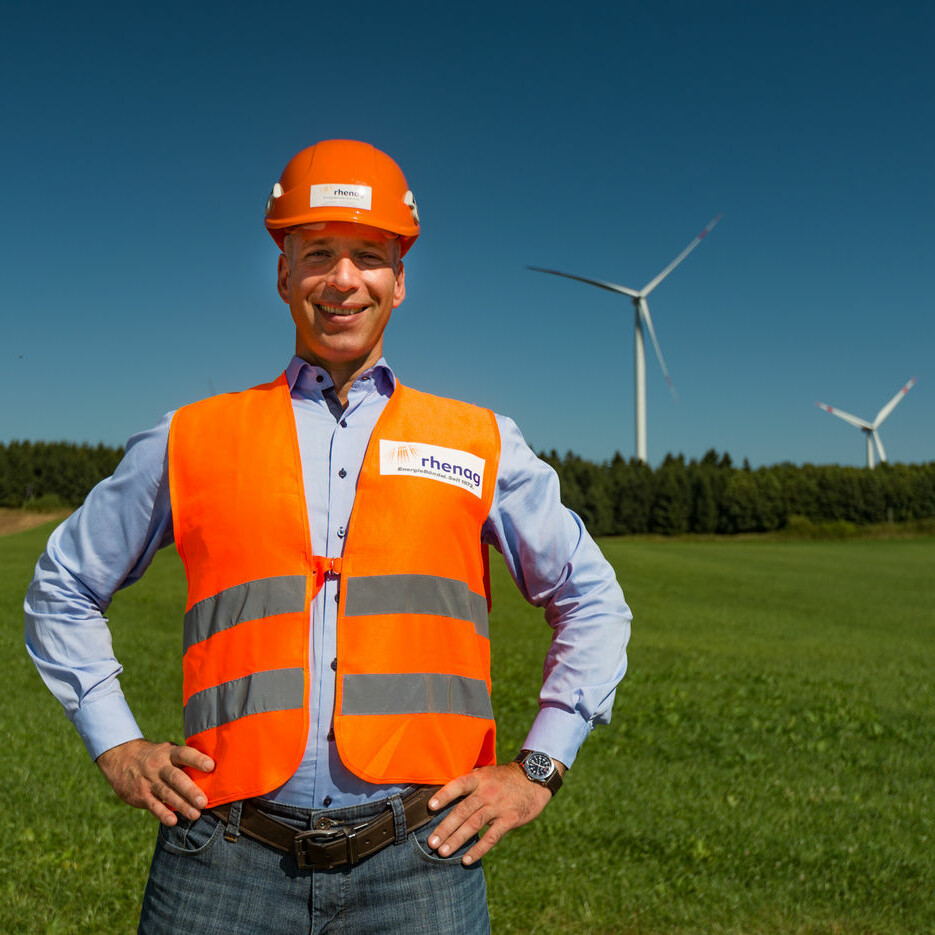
641 316
870 428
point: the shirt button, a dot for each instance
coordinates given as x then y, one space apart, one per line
337 598
331 734
342 473
320 378
326 801
341 532
343 423
334 664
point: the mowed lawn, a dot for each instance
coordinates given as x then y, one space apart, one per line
770 767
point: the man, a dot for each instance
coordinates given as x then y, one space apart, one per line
339 758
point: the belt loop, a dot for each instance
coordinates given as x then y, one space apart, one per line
399 819
233 822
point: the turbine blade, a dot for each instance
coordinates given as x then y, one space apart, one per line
846 416
644 314
891 405
655 282
879 444
610 286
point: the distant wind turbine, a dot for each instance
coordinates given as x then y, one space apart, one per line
870 428
641 316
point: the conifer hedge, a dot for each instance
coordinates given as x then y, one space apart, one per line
713 496
52 473
619 497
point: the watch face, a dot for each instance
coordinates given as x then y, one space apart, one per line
538 766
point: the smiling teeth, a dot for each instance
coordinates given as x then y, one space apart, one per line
338 310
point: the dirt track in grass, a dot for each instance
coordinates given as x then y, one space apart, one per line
19 520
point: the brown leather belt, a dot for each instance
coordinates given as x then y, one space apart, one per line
331 844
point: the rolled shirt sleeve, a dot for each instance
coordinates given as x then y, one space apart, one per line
104 546
558 566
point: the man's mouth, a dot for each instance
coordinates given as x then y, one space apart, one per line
340 310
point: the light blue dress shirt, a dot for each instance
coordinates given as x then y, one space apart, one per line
109 542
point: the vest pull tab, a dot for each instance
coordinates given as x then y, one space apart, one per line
323 565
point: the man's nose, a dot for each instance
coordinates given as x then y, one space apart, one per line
344 275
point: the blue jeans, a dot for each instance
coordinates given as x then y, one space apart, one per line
207 877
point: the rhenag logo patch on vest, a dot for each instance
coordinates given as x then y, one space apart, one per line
449 465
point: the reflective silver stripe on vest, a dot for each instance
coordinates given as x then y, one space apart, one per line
416 594
416 693
264 597
275 690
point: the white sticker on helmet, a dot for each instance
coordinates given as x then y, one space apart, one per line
345 196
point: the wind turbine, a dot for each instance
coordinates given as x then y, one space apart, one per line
870 428
641 316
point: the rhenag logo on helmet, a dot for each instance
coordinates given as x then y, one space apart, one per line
345 196
448 465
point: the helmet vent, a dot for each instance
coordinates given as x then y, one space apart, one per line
273 195
409 200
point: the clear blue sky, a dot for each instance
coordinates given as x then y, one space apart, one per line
140 143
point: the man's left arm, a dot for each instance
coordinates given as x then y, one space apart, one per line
557 566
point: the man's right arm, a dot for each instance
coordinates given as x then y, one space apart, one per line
104 546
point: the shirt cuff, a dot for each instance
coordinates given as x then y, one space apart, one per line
559 733
106 723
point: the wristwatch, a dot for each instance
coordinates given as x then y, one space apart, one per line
540 768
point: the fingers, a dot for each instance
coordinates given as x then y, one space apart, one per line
499 797
181 783
188 756
494 833
453 790
166 816
173 790
150 776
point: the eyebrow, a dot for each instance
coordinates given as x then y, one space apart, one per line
327 241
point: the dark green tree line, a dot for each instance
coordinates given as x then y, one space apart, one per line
30 471
713 496
619 497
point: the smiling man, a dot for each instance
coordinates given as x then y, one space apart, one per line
341 281
339 758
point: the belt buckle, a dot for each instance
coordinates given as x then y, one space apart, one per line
324 837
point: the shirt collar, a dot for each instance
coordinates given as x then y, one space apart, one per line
305 379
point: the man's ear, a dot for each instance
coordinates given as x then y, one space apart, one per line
282 278
400 292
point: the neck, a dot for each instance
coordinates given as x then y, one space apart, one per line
342 373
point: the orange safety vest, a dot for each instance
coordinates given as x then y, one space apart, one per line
413 679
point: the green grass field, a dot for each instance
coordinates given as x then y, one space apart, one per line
770 767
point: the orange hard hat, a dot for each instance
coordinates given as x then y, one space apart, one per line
343 180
